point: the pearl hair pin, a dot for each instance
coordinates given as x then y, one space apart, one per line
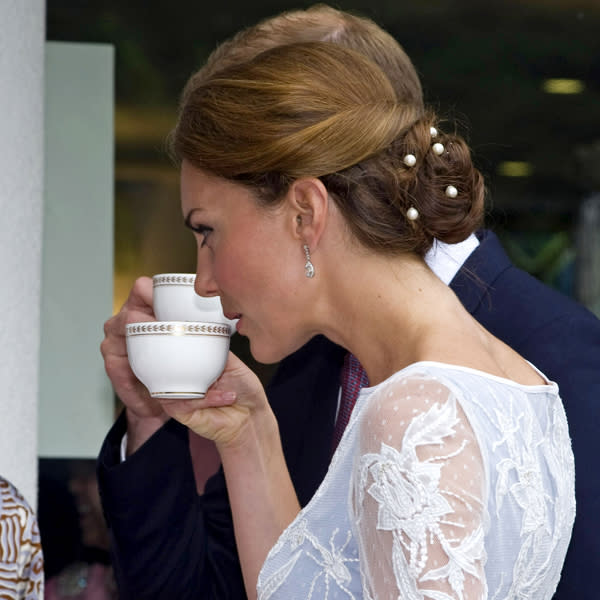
433 132
412 214
438 148
410 160
451 191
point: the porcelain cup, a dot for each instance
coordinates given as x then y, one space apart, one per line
176 300
177 359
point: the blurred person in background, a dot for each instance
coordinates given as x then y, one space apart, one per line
89 576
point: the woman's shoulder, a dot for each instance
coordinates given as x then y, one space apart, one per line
427 378
415 406
418 386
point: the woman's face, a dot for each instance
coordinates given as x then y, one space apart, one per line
249 256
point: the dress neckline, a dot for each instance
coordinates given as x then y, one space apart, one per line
549 386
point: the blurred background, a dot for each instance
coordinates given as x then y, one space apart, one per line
520 77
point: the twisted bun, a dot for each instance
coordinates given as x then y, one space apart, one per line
376 195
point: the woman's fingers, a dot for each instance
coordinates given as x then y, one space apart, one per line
133 394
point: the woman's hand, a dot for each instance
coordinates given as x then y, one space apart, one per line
234 406
144 414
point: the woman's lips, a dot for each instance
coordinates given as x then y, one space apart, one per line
235 317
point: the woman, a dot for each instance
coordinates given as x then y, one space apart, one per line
314 193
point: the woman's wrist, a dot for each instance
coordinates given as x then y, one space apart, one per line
141 429
258 436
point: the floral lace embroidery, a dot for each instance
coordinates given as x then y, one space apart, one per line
413 504
332 561
520 478
446 484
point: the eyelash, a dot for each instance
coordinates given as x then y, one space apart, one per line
202 230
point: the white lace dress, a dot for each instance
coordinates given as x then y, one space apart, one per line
449 483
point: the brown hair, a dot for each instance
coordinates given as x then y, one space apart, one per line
318 109
319 23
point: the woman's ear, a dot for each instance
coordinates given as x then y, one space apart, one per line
308 203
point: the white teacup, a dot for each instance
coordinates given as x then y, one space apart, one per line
176 300
177 359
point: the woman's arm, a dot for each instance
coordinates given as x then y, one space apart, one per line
417 496
236 415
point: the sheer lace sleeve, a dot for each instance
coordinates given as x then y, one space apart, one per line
417 495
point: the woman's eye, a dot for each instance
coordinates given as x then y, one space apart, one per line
202 230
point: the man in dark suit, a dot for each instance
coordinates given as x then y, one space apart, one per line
169 542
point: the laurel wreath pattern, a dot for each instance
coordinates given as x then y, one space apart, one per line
182 328
175 279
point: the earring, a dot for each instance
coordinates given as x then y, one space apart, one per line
309 269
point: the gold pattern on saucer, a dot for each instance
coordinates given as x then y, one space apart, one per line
178 395
178 328
174 279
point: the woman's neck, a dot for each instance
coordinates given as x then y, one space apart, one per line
388 311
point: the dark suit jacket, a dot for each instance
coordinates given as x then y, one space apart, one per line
168 542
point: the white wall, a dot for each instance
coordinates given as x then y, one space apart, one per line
22 34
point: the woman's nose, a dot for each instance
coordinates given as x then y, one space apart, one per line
203 288
205 284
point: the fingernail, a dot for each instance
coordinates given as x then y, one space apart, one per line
229 396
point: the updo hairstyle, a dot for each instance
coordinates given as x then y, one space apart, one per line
316 109
318 23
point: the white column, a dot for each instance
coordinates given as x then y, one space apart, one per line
22 36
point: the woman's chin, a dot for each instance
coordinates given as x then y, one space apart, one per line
265 356
270 353
266 352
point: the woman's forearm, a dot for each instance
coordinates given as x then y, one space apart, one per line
262 496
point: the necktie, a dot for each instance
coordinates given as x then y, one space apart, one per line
353 378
